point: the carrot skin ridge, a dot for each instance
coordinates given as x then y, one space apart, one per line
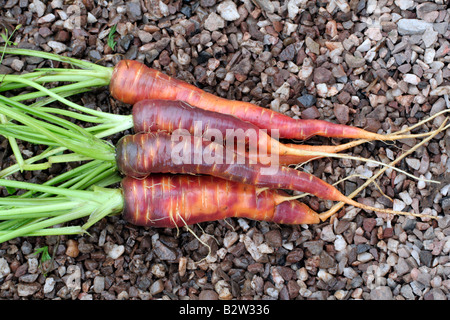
178 200
132 81
142 154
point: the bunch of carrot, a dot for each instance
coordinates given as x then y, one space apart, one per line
233 184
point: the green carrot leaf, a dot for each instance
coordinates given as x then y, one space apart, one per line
111 43
45 255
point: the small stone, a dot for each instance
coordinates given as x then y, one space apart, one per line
115 251
430 37
443 50
428 56
73 280
398 205
11 3
99 284
381 293
402 267
364 257
208 295
47 18
313 46
413 163
4 268
369 224
315 247
424 9
94 55
17 65
407 292
311 113
295 256
374 33
57 4
230 238
72 248
426 257
158 270
62 36
223 290
145 36
411 79
228 10
288 53
322 75
365 46
156 287
38 7
412 26
354 62
214 22
91 18
49 285
273 238
326 261
342 113
58 47
404 4
27 289
134 12
339 243
45 32
307 100
163 252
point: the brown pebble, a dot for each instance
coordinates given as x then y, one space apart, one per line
369 224
294 256
72 248
311 113
293 289
341 111
322 75
273 238
388 233
208 295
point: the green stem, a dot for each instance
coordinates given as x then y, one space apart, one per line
39 211
73 230
86 195
32 227
48 152
51 56
87 144
14 146
69 157
74 204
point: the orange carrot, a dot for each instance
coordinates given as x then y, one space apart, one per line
132 81
179 200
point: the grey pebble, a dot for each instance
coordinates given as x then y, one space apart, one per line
381 293
412 26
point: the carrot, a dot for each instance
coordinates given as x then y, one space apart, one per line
143 154
131 81
170 116
178 200
156 201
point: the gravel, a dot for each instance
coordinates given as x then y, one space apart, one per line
378 64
